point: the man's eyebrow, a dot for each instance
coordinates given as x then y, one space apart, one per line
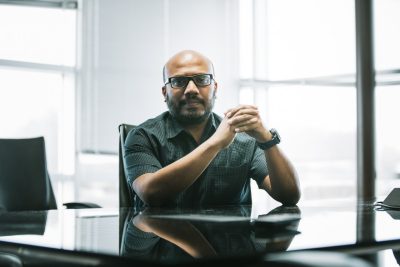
189 75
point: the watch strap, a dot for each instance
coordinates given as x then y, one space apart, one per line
270 143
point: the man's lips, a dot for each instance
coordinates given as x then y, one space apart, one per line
191 102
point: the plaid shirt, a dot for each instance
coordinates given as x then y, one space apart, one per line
161 141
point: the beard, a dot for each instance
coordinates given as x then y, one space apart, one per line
190 116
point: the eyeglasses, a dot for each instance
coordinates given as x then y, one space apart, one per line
180 82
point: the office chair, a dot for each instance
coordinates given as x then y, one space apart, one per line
127 198
24 179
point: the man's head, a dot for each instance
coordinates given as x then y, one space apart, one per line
190 87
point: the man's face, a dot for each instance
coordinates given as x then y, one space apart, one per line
191 104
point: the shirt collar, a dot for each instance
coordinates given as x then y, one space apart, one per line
174 128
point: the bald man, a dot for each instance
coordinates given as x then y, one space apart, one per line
189 156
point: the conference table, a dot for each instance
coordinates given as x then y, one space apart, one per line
182 236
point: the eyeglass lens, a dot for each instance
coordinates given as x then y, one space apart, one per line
199 80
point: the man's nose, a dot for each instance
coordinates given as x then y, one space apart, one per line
191 88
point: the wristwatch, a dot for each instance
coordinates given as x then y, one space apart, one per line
276 139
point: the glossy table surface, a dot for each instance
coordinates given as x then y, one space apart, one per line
183 235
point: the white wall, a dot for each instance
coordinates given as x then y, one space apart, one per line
125 44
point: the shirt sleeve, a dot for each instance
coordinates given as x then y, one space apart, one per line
137 243
140 155
258 166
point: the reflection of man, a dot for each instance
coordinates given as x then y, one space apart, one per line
175 240
189 156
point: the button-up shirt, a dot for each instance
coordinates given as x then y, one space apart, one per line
161 141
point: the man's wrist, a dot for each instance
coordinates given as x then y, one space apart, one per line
275 139
214 144
267 136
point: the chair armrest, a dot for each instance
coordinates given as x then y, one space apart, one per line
80 205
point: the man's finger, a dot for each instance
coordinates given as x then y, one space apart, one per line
237 119
231 112
245 128
253 121
253 112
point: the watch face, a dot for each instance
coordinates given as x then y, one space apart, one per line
274 141
275 134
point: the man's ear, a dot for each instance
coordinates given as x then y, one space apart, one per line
215 87
164 92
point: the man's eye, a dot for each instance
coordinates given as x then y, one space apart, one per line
178 82
202 79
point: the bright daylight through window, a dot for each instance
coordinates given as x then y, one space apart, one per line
37 77
298 66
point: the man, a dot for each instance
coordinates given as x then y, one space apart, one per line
189 156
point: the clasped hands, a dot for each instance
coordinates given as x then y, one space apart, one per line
244 118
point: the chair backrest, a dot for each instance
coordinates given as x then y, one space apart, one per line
24 179
126 195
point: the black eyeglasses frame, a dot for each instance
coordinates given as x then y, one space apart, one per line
190 78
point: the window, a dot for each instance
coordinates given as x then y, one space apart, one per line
298 66
301 58
37 78
387 63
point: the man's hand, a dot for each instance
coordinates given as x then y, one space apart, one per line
281 182
224 135
246 118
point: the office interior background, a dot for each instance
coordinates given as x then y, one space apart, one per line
72 71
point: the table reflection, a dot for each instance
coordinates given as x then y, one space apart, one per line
395 215
177 236
19 223
180 235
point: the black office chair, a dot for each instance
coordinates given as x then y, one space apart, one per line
126 195
129 202
24 179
